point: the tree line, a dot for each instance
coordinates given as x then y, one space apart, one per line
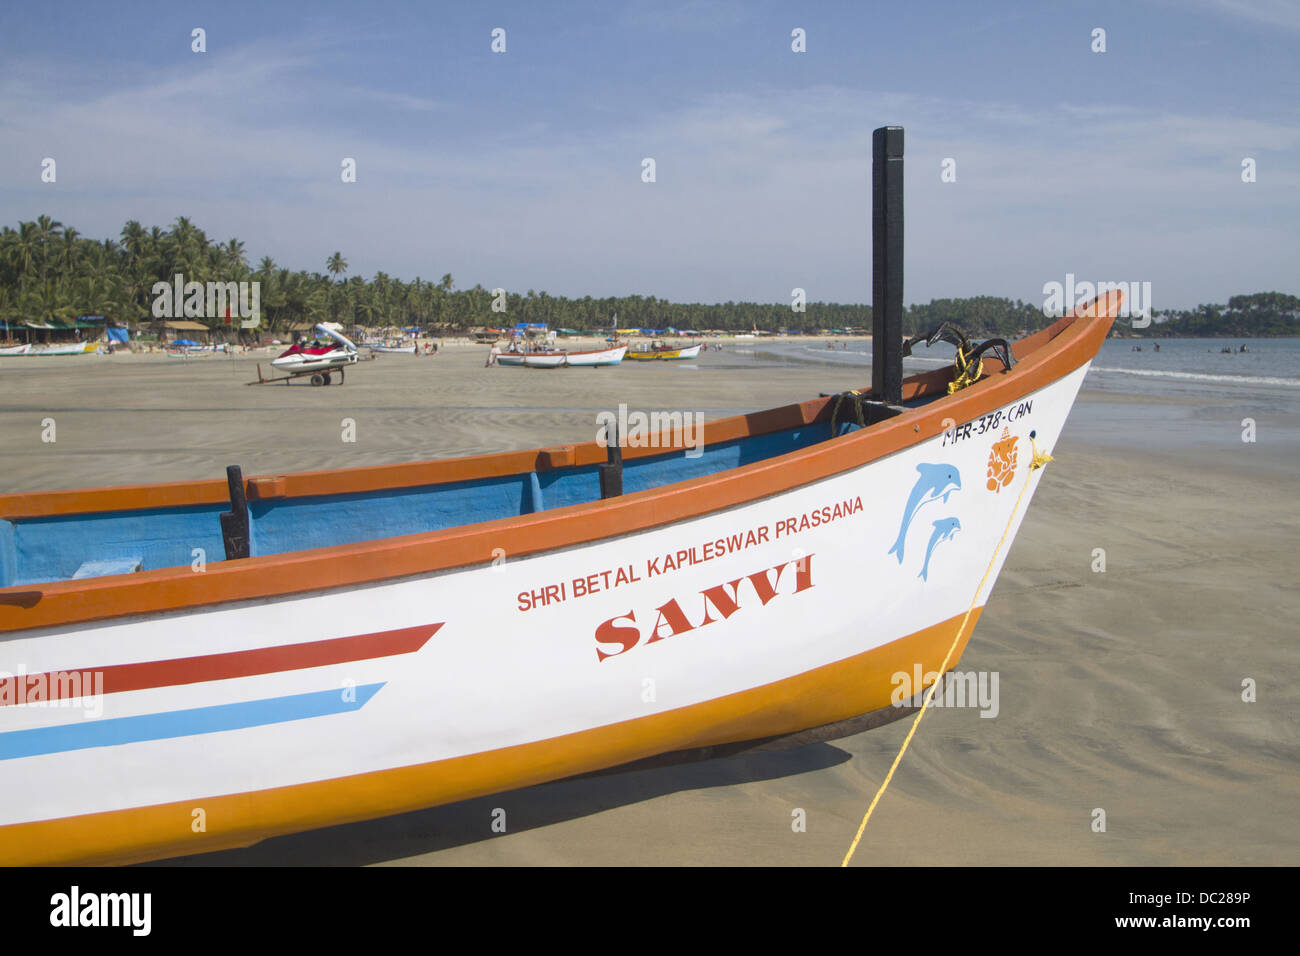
1260 314
51 273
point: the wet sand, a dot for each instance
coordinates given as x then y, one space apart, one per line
1118 690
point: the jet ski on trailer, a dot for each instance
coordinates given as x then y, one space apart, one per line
316 361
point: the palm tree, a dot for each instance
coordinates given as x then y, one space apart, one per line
413 301
354 293
28 242
133 238
136 244
296 293
336 265
47 229
8 312
70 253
236 258
322 300
48 302
95 294
188 248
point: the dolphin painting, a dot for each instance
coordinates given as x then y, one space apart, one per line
944 529
936 481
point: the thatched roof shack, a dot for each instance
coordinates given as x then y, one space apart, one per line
184 329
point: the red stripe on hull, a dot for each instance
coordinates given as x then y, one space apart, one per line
209 667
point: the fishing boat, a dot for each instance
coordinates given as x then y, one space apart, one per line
201 665
515 359
663 351
66 348
398 349
593 358
590 358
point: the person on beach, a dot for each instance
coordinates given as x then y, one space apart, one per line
492 356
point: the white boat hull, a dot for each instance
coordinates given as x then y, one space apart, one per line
561 359
544 360
77 348
543 657
590 359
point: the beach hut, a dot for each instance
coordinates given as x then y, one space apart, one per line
183 328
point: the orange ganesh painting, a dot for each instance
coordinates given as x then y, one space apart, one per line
1002 461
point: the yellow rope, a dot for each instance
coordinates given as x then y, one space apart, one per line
1039 460
964 370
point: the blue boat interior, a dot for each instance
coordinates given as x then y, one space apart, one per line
64 547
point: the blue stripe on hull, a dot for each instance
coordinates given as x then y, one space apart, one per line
181 723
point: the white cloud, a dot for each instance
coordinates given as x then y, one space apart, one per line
756 193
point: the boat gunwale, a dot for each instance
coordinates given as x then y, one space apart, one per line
1044 357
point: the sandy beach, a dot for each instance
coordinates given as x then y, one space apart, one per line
1119 690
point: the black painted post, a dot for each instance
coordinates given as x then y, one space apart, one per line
611 473
887 264
234 524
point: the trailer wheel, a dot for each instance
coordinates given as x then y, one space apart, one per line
327 378
318 379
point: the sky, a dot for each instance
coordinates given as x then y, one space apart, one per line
524 169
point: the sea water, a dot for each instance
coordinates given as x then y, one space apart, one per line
1188 397
1193 363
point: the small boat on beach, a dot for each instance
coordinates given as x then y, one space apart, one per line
663 351
65 348
593 358
511 359
590 358
184 348
199 665
531 359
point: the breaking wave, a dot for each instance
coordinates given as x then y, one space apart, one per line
1202 377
